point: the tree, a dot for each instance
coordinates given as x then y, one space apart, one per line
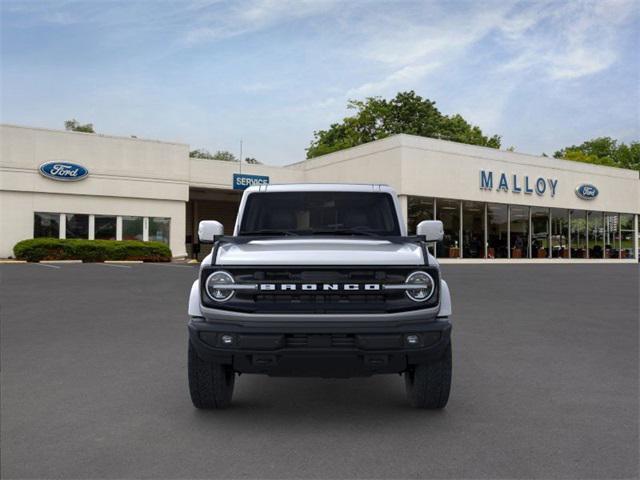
604 151
75 126
201 153
219 155
252 161
225 156
377 118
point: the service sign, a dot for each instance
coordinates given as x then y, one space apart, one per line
586 191
63 171
242 181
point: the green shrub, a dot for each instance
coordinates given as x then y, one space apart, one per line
37 249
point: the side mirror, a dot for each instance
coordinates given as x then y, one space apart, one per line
431 230
208 230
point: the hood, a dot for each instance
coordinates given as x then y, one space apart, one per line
320 251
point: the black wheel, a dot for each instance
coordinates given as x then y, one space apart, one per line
210 384
428 384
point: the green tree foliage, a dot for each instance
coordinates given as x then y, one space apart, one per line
219 155
225 156
377 118
604 151
75 126
201 153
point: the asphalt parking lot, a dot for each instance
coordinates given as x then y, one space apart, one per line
94 385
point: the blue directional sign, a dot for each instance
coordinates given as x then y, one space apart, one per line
242 181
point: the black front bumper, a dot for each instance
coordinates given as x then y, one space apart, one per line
299 350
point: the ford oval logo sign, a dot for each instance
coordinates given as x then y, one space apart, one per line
64 171
586 191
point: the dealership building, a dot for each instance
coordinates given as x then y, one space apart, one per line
496 206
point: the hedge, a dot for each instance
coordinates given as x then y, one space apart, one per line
37 249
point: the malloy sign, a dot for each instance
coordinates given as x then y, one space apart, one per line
514 183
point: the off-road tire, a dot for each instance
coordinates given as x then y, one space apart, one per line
210 384
428 384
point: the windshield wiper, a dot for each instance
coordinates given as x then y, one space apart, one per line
269 231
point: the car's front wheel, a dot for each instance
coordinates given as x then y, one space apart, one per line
428 384
210 384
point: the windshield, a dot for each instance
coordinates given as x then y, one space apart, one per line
319 213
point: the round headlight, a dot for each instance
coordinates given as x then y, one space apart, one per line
425 286
217 286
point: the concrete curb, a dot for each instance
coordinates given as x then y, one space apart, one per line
60 261
8 262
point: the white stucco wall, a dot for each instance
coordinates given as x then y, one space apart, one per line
436 168
376 162
450 170
127 177
218 174
152 178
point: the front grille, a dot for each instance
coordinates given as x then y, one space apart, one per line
321 298
321 301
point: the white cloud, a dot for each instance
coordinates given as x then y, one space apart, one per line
405 77
564 41
251 16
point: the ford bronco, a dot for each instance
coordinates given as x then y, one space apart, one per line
319 280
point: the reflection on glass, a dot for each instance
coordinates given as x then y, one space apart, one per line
104 227
596 235
578 234
448 212
77 226
472 230
559 233
611 235
418 209
519 232
159 229
497 231
132 228
46 225
626 236
539 232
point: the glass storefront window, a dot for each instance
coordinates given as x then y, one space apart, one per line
159 229
418 209
105 227
473 230
77 226
539 232
132 228
596 235
519 231
611 235
578 234
626 236
497 231
46 225
559 233
448 212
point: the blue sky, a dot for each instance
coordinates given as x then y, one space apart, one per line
542 74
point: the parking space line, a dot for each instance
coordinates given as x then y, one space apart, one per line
113 265
46 265
171 265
